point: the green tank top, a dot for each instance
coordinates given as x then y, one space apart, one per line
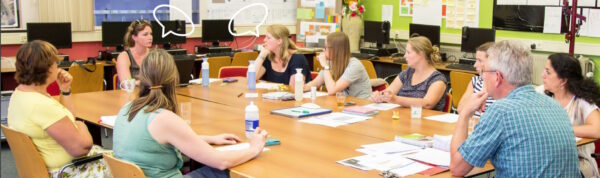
132 142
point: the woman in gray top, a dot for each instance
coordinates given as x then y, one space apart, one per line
138 40
421 84
346 74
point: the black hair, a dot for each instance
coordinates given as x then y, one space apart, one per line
568 68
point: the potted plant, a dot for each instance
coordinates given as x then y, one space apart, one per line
352 23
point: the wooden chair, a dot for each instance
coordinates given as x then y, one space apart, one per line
215 64
233 71
86 81
458 83
316 65
28 160
370 68
116 82
53 89
242 58
404 67
123 169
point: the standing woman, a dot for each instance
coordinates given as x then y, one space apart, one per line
421 84
341 72
281 61
50 123
580 96
138 40
476 84
149 133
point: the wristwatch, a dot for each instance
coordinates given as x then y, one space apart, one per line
66 93
325 67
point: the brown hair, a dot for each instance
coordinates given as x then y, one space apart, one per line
33 63
281 32
422 44
485 46
134 28
158 71
338 47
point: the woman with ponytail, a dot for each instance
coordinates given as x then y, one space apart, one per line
564 81
421 84
149 132
282 63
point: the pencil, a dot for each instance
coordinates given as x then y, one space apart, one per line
240 95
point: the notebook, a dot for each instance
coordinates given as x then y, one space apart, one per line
360 110
299 112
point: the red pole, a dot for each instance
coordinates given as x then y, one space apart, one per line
573 29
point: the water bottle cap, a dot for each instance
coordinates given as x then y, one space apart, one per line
299 70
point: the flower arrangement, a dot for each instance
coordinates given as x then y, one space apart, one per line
353 8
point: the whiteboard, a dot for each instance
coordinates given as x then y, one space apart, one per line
280 11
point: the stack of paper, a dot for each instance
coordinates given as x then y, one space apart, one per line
432 156
442 142
335 119
448 118
275 95
268 86
388 147
199 80
382 106
108 120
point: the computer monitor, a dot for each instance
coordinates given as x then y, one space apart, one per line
113 34
377 32
58 34
432 32
474 37
177 26
216 31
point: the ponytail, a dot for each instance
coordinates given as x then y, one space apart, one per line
435 56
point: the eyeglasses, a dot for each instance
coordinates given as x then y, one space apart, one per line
483 71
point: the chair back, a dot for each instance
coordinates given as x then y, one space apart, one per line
115 82
123 169
404 67
448 103
85 81
215 64
314 74
28 160
370 68
242 58
459 82
53 89
316 64
233 71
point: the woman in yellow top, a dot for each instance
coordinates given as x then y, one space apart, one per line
49 123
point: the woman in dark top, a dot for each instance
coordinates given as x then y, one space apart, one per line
138 40
421 84
282 62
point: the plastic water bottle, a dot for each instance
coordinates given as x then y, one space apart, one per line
205 79
298 84
251 119
251 76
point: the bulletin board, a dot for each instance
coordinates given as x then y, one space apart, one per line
316 19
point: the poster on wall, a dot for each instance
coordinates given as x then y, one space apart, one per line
10 17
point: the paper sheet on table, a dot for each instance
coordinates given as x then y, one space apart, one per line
552 19
447 118
384 162
319 94
577 139
335 119
410 169
390 147
275 95
108 120
441 142
432 156
199 80
268 86
239 146
382 106
355 162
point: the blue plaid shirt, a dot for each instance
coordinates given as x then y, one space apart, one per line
525 134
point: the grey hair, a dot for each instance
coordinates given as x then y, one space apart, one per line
513 60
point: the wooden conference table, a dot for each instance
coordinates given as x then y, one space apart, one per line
306 150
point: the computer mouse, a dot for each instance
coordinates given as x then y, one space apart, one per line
310 106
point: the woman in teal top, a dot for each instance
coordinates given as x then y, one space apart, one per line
149 133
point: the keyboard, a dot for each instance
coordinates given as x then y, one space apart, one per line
461 67
220 54
400 60
363 55
64 64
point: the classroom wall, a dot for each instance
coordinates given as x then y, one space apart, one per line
373 12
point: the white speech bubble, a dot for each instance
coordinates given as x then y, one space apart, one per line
257 26
170 31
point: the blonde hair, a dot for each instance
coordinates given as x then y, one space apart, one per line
158 71
338 47
134 28
281 32
485 46
422 44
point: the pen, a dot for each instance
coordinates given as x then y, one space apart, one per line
303 111
240 94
